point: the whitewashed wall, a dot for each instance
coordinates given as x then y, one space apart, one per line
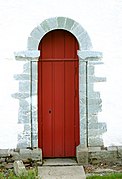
101 19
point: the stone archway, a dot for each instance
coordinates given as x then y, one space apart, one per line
59 23
90 102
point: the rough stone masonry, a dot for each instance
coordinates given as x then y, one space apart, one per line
94 155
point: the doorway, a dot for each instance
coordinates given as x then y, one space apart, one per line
58 95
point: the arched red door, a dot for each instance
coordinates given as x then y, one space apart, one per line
58 96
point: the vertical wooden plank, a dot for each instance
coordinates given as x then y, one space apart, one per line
70 50
69 109
46 48
59 108
71 47
47 108
58 44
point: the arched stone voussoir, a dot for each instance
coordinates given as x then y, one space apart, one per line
32 43
37 33
59 23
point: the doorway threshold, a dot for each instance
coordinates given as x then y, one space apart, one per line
60 162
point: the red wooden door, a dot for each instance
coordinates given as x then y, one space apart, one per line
58 96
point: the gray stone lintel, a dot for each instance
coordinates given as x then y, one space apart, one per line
29 55
88 55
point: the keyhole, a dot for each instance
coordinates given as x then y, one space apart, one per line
49 111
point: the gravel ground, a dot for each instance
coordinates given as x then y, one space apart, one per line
102 169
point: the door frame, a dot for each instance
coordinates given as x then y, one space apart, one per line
84 44
90 101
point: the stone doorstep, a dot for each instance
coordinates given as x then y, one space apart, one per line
60 162
61 172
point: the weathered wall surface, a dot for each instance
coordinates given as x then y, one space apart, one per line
103 23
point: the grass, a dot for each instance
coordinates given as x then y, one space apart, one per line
31 174
109 176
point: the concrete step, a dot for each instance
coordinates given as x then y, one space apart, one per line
61 172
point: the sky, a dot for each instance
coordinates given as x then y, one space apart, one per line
103 21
